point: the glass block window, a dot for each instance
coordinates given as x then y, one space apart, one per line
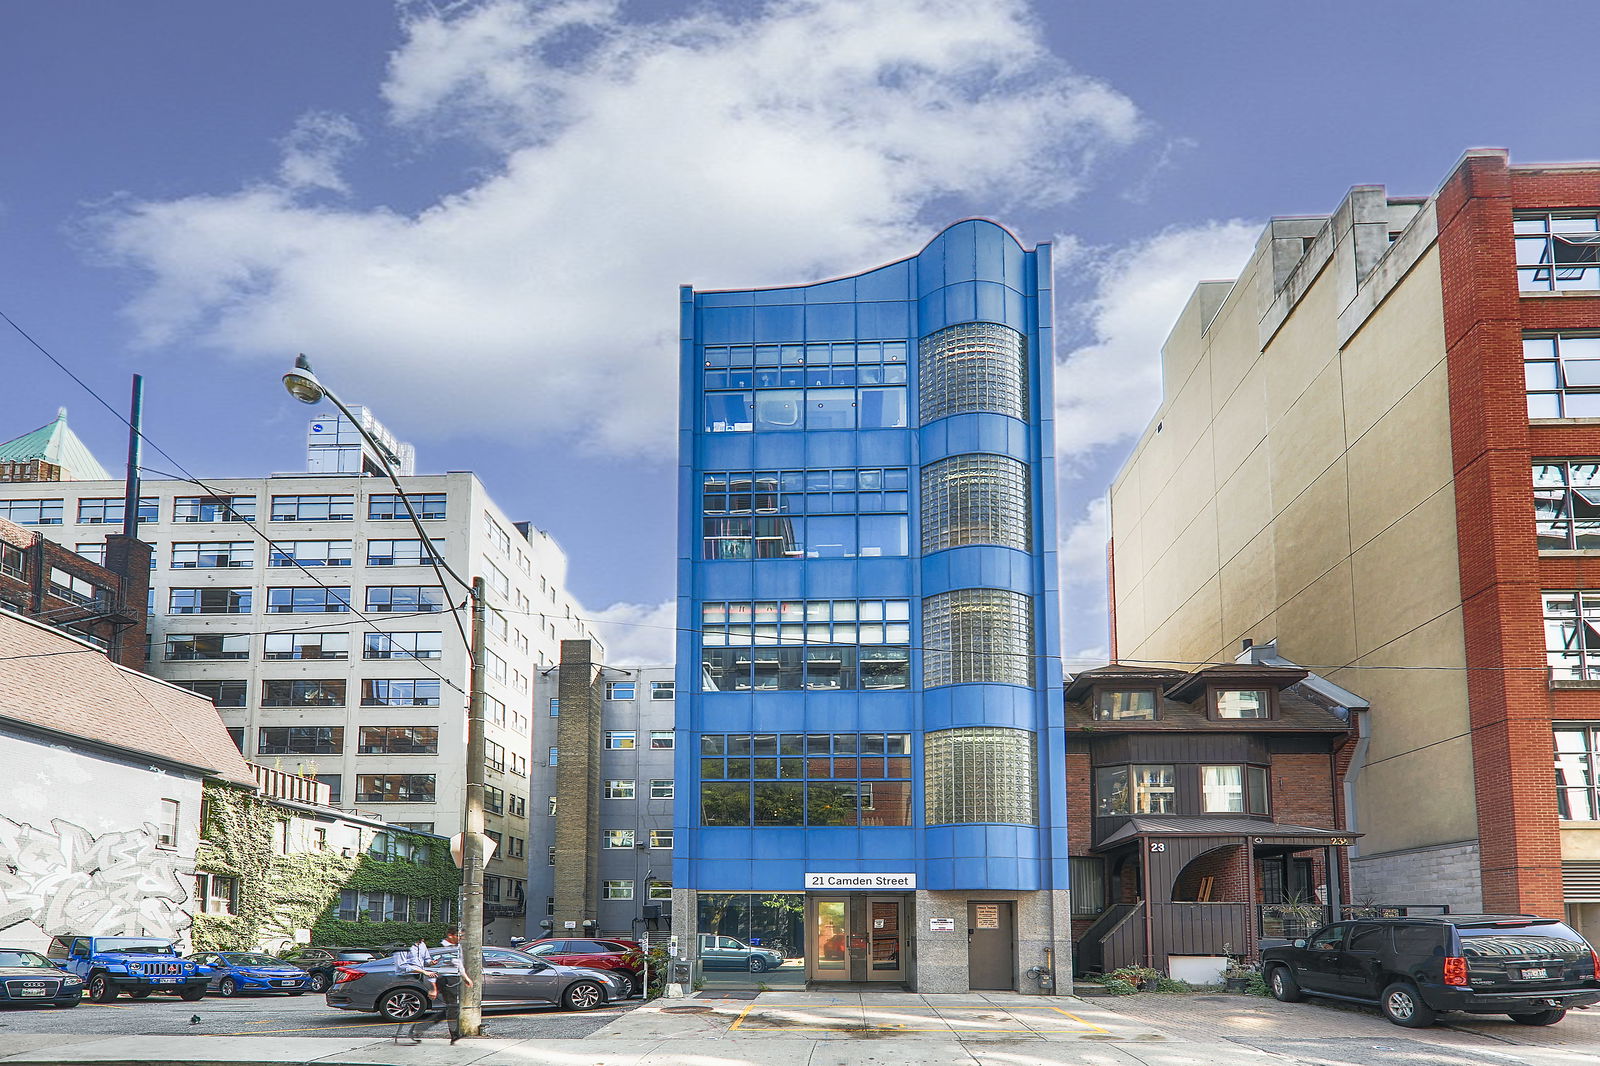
980 774
1566 503
1562 375
1572 635
976 366
977 635
975 499
1557 251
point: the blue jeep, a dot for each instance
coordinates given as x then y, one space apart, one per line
137 965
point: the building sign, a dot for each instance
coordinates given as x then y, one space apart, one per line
941 925
988 915
869 882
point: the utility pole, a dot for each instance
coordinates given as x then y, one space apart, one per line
472 838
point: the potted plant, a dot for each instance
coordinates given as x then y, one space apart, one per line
1236 976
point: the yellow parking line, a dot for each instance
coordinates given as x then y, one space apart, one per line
740 1019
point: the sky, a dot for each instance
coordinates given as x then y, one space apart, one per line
474 216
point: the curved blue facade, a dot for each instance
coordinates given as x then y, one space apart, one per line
803 585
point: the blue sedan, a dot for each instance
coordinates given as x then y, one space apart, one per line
233 973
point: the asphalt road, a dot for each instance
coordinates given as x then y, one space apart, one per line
277 1015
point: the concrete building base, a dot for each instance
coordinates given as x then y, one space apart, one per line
1446 874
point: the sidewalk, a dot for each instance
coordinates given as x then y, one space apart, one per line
811 1029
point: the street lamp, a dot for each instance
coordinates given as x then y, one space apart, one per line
303 385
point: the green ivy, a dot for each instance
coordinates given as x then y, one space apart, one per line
281 894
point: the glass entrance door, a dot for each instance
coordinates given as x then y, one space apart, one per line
856 938
830 939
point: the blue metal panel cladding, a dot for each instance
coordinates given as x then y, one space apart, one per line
802 441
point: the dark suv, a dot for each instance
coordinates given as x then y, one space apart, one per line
1531 968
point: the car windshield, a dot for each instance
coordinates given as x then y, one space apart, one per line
246 959
29 959
134 943
1544 938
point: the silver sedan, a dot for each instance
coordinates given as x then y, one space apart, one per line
510 979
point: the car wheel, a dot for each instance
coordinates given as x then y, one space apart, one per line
403 1004
758 964
583 995
101 990
631 984
1541 1017
140 993
229 987
1402 1005
320 982
1284 987
190 995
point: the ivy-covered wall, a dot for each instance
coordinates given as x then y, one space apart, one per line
280 894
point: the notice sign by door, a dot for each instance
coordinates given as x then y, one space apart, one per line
987 914
941 925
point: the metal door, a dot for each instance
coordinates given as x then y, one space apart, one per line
991 945
886 943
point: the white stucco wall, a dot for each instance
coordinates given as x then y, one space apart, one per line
78 844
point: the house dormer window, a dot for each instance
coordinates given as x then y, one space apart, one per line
1125 705
1242 703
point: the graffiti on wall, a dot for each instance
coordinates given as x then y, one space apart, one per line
67 879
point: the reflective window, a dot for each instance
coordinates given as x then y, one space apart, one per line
398 740
1561 373
309 553
975 499
1572 635
229 693
621 739
822 645
394 788
1578 773
781 514
972 635
805 779
980 774
1222 789
328 692
335 507
394 692
1125 705
314 600
662 739
427 505
662 690
973 367
617 889
815 386
618 838
307 646
111 509
1566 503
405 598
193 647
1147 789
32 512
214 509
402 646
404 552
1242 703
620 690
209 601
214 555
300 740
1557 251
662 789
619 790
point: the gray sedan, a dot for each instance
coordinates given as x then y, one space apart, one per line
510 979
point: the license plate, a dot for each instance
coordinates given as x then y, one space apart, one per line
1534 972
165 980
290 984
32 992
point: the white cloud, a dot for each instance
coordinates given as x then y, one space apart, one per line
720 149
1083 548
638 634
314 150
1107 390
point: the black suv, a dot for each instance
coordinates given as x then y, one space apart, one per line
1531 968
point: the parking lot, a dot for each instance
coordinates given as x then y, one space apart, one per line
277 1016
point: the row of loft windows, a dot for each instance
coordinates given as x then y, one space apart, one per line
1143 705
627 690
800 377
205 647
1154 789
815 667
409 599
839 353
241 554
329 740
290 508
818 779
617 839
769 410
330 692
660 789
797 622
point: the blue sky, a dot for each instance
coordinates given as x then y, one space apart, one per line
474 216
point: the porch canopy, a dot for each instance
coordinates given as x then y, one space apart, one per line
1261 833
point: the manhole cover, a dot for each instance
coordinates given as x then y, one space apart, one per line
686 1010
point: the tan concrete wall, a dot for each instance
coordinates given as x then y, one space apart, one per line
1304 492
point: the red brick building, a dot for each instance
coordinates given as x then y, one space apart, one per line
1205 810
106 604
1380 446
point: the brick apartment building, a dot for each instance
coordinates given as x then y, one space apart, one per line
1380 446
1205 812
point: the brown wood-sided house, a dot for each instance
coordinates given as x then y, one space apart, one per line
1206 810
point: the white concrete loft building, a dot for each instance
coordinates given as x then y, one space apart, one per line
274 633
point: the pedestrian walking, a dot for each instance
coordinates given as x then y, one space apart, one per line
443 986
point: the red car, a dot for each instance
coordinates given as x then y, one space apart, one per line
623 956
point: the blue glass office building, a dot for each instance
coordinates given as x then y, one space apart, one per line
870 781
